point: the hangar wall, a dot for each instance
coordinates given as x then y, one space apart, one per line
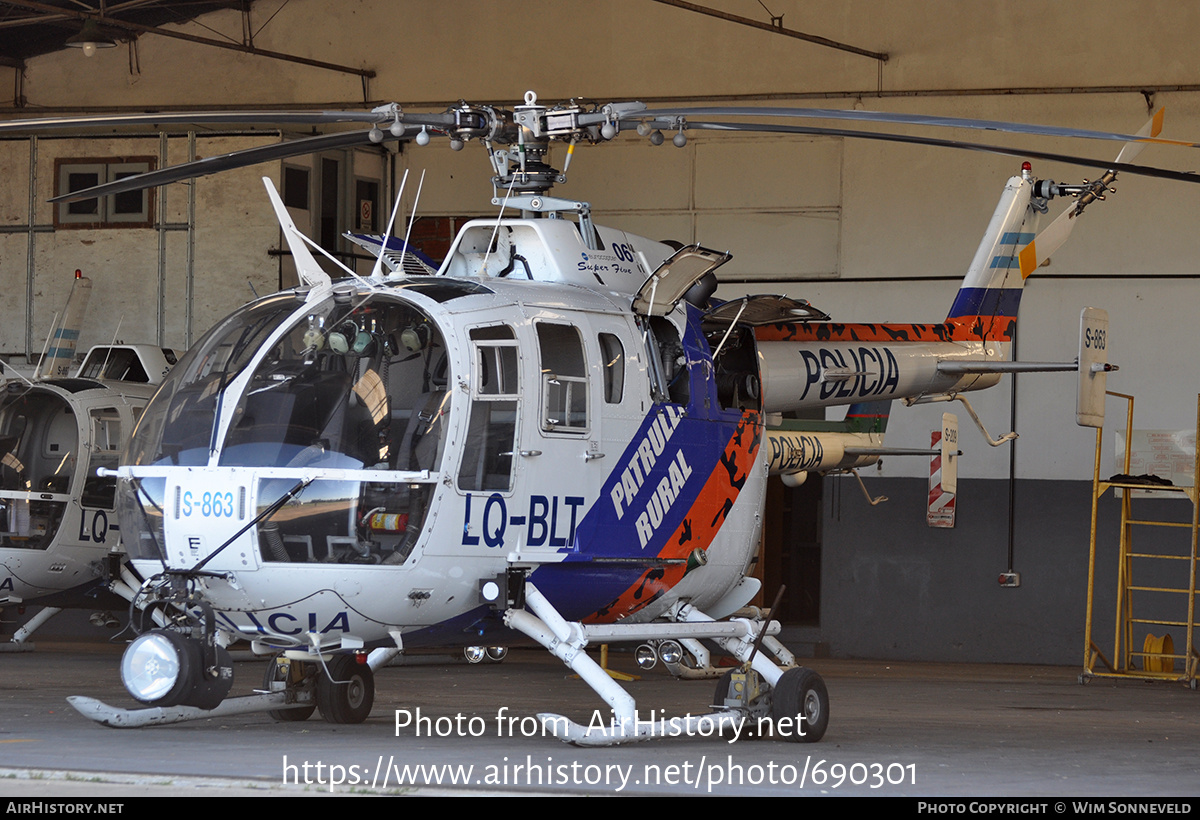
894 588
866 231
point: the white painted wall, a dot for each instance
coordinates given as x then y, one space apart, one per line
823 209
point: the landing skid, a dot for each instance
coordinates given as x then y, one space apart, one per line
162 715
20 639
794 699
296 684
127 586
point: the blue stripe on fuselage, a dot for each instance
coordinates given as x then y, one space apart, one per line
986 302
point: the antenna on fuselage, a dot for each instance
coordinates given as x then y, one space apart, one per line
495 232
108 353
378 268
412 218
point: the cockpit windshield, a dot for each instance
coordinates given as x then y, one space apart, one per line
348 383
177 427
357 381
354 384
39 440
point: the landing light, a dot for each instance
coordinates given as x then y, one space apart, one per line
645 656
670 652
152 667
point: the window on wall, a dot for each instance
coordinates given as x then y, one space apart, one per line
366 202
132 209
295 187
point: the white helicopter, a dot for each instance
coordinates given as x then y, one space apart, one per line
559 436
59 535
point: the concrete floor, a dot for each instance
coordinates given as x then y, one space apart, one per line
950 730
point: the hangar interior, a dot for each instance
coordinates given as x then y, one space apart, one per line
867 231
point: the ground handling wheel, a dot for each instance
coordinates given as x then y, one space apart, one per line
345 690
800 706
746 692
280 668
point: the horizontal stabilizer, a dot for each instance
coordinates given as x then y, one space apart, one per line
965 368
889 451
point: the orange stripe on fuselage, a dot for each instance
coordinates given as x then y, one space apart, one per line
961 329
699 527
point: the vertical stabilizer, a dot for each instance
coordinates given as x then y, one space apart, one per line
868 417
60 347
990 295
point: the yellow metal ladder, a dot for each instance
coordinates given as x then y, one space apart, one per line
1157 654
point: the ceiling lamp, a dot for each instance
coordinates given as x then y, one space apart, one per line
90 38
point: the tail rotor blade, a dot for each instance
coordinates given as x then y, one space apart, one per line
1051 239
1047 242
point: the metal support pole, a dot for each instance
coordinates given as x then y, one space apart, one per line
190 296
29 248
161 226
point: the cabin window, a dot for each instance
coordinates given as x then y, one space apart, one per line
612 356
101 491
491 434
132 209
564 379
359 383
114 364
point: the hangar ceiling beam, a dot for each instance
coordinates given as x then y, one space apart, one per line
776 29
114 23
39 19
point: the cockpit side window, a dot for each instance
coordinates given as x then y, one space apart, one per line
487 461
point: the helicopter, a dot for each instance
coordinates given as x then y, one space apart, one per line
559 436
59 535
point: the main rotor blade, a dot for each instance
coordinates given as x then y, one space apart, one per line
1103 164
377 117
906 119
346 139
223 162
